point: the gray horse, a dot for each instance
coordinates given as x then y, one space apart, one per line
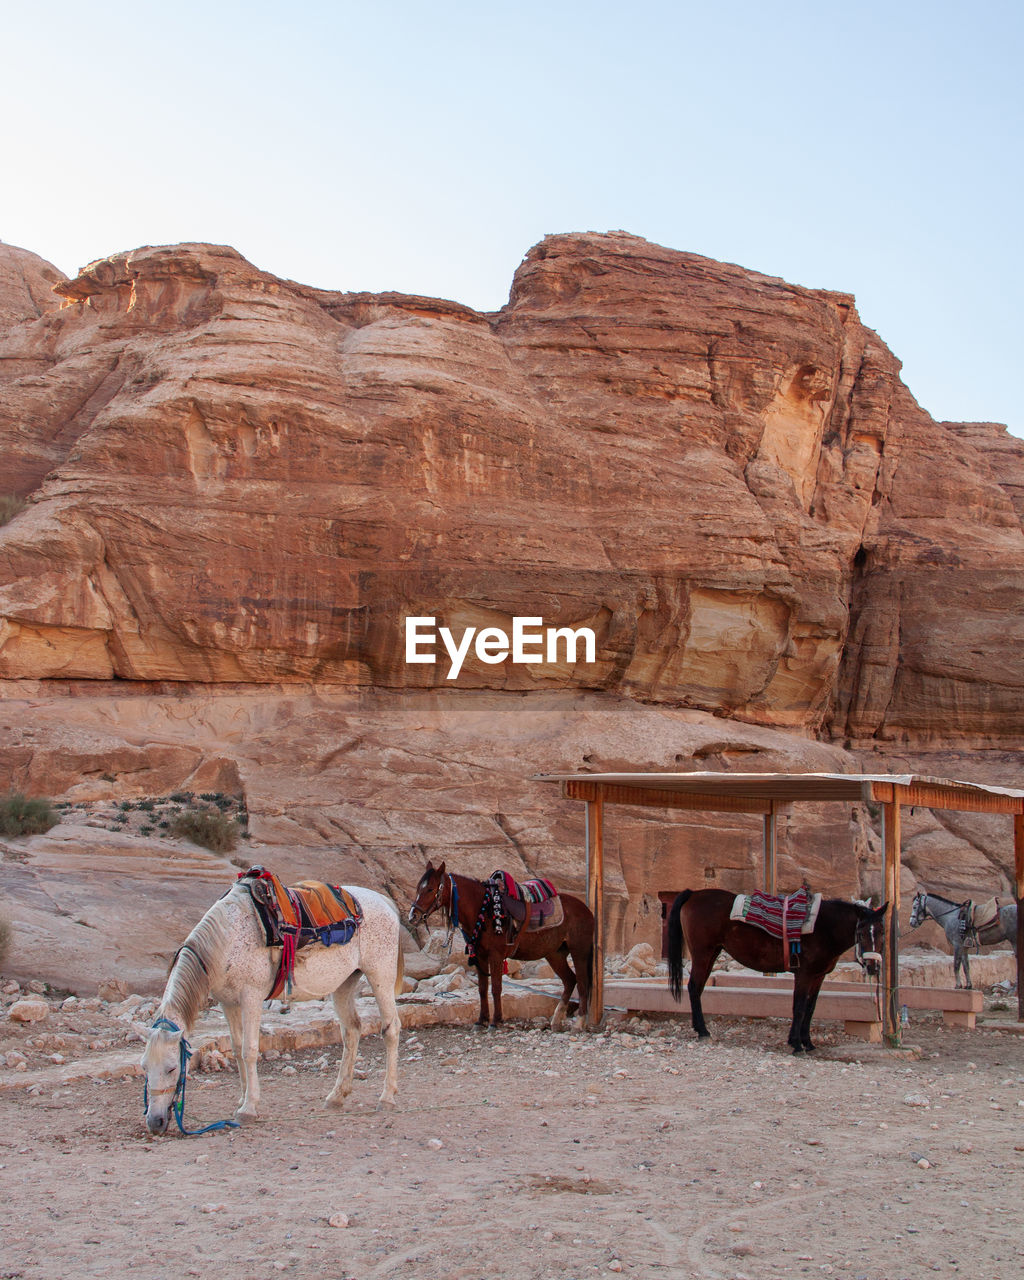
951 916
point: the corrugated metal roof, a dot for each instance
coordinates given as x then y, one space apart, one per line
850 787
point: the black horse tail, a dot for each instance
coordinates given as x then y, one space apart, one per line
676 946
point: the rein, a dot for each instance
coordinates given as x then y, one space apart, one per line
178 1101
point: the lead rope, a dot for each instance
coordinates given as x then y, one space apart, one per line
178 1101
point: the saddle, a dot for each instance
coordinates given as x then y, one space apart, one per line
783 917
977 915
530 905
296 917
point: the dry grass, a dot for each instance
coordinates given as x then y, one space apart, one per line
206 827
22 816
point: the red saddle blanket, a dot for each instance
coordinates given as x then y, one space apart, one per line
532 904
781 917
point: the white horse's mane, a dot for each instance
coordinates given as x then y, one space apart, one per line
201 955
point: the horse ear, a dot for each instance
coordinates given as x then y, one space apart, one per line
881 910
141 1030
430 866
440 870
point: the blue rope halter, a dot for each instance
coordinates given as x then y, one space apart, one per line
178 1101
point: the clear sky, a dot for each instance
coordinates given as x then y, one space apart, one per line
872 148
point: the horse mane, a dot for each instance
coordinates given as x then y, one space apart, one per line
188 978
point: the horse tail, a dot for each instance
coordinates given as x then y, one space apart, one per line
400 971
676 945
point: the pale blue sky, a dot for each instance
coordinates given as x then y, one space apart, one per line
871 148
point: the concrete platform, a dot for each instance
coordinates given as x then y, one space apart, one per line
752 995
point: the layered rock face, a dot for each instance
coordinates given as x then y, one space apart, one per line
236 482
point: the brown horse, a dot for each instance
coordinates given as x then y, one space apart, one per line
464 902
700 919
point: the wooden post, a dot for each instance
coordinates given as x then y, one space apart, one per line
770 851
891 893
595 898
1018 891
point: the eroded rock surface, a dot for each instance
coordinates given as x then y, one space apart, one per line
238 487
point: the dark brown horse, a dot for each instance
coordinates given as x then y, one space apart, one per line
464 902
700 920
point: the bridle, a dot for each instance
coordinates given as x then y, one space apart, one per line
871 954
418 914
925 912
178 1088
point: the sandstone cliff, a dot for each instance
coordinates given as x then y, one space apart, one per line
238 484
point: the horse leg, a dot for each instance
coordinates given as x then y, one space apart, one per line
967 968
248 1108
960 966
344 1001
497 969
700 971
383 988
805 997
582 962
233 1014
563 969
482 977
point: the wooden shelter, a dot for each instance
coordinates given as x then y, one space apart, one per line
767 794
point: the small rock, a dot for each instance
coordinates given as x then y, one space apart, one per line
289 1071
435 1144
338 1220
916 1100
923 1163
615 1265
28 1010
216 1207
113 990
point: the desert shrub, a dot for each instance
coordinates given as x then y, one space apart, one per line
21 816
6 934
206 827
10 505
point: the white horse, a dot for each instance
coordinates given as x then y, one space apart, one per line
226 957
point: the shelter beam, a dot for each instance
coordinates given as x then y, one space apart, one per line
1018 893
595 898
891 894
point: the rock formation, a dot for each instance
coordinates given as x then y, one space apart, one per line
238 487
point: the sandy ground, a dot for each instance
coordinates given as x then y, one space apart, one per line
521 1153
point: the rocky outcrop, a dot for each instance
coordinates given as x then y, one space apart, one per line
721 474
238 487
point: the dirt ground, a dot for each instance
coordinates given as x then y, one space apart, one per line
522 1153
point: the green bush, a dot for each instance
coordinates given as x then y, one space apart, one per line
206 827
10 505
20 816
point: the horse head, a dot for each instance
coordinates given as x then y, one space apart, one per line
429 892
164 1063
868 937
919 911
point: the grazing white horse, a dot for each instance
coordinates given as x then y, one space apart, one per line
226 957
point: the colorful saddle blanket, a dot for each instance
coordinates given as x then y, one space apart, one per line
781 917
296 917
531 905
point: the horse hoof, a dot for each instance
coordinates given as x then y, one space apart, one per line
386 1104
334 1101
246 1117
797 1048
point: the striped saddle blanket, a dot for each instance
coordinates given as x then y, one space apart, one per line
781 917
531 904
297 916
